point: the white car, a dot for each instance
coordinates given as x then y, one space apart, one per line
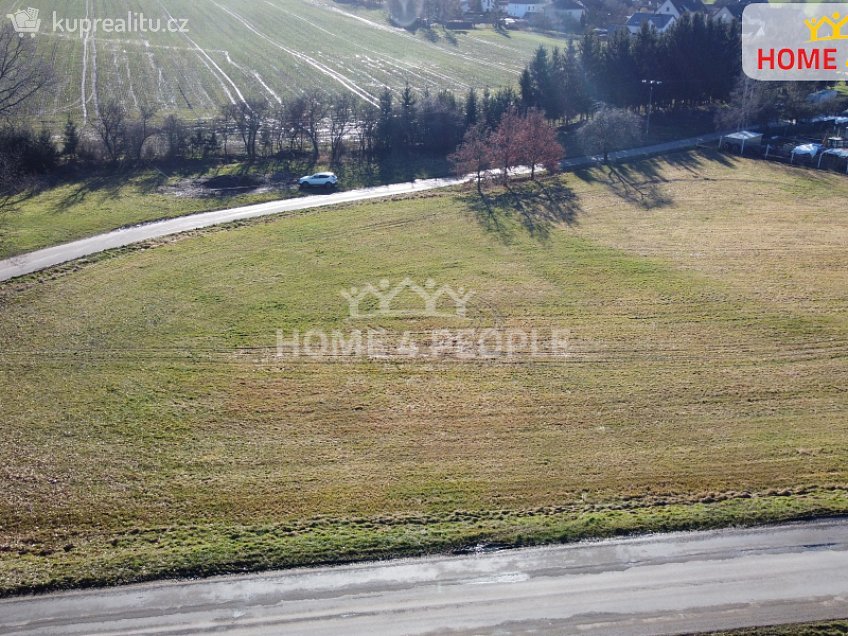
324 180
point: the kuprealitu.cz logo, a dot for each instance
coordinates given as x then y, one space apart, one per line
795 42
27 22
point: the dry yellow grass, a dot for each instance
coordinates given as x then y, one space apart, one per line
147 430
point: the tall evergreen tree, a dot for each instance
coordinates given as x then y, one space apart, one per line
406 117
577 100
472 109
70 139
590 57
385 129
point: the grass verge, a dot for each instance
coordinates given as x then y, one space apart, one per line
829 628
138 555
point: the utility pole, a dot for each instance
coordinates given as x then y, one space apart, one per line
651 84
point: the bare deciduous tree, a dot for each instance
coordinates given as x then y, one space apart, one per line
176 136
518 140
141 130
342 114
366 130
314 114
247 117
474 155
610 129
279 126
292 115
506 143
224 126
111 126
539 144
750 102
23 71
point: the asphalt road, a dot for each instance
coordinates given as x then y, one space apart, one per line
51 256
662 584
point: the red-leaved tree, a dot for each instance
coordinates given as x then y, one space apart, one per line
474 155
538 143
519 140
506 142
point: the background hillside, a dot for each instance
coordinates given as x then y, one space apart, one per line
272 49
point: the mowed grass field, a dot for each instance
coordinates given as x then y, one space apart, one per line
236 50
83 206
84 203
149 430
834 628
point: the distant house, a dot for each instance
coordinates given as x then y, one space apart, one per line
613 29
677 8
486 6
521 9
662 22
729 13
644 6
568 9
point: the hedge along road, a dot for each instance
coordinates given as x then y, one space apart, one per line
39 260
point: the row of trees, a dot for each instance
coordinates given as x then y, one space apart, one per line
697 61
300 126
754 103
23 154
519 139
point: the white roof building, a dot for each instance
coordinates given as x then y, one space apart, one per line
522 9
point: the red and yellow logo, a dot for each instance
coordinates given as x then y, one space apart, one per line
795 42
836 22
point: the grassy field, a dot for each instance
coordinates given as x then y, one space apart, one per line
832 628
235 50
150 430
83 202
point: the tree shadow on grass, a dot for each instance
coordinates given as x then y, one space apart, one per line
641 182
695 160
10 204
537 206
199 179
637 183
109 185
640 186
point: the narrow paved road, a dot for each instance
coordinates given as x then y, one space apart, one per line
644 151
48 257
51 256
663 584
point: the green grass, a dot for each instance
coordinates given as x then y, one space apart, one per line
830 628
89 205
150 431
273 49
85 203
